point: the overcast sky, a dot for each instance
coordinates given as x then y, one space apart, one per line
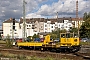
42 8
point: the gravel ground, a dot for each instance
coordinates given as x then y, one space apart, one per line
57 56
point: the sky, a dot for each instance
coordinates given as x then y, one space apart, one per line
42 8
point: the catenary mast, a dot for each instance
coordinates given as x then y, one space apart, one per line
24 21
76 8
77 14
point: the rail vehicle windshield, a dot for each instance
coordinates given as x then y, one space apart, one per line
69 35
63 35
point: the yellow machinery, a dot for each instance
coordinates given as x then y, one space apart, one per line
69 39
34 44
68 42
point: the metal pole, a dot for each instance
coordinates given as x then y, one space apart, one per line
78 28
12 31
12 34
24 21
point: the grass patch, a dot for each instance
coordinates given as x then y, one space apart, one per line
85 43
23 57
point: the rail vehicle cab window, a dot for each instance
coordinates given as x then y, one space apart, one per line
68 35
63 35
75 35
71 35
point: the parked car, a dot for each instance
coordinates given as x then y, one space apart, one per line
84 39
88 40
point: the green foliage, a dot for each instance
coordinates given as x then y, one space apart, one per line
63 31
49 58
35 36
25 57
29 38
8 42
55 34
21 57
85 28
33 58
2 42
84 43
73 30
85 16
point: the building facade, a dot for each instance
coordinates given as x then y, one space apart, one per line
39 25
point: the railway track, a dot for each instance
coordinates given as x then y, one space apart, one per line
83 55
74 56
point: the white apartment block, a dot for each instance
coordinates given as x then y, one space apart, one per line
48 26
77 22
7 28
38 25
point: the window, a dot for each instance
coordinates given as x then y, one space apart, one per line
62 27
45 28
45 25
15 33
66 26
55 24
41 26
69 25
10 29
15 30
27 25
51 26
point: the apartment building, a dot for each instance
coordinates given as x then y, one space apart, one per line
39 25
77 22
8 26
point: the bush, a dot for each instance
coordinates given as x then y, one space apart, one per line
8 42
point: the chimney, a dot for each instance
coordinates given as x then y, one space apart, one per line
10 18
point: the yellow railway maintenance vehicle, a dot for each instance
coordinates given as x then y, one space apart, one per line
69 42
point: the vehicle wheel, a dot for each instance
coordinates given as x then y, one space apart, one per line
19 47
42 49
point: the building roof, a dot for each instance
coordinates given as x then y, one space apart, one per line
53 20
10 20
77 19
32 20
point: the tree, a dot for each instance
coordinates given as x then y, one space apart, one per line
85 16
63 31
36 36
56 33
53 36
73 30
85 28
